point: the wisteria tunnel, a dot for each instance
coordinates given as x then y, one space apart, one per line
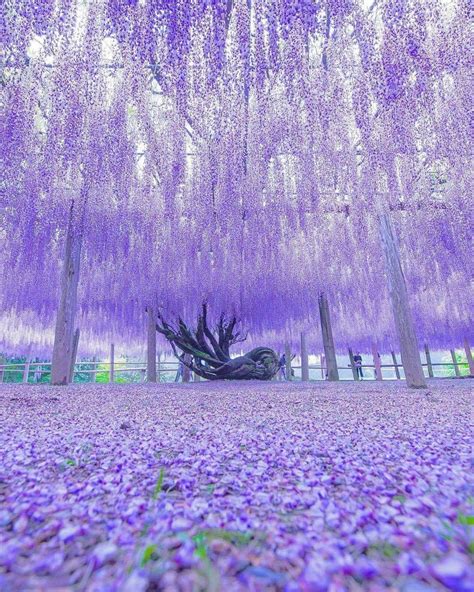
269 201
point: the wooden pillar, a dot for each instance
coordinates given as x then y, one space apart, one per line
428 361
355 374
94 369
395 363
323 366
377 363
112 363
64 330
26 369
151 346
75 345
328 340
158 371
470 361
288 361
400 306
186 370
304 358
455 363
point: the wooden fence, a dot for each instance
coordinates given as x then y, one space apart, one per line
34 371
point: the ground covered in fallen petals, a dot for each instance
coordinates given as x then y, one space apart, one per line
252 486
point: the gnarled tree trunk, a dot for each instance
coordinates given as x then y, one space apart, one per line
206 353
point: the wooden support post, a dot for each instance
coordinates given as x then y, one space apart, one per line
323 366
455 363
395 363
158 371
64 331
112 363
470 361
75 345
151 346
328 340
355 374
94 369
400 306
2 369
186 370
304 358
428 361
26 369
377 363
288 361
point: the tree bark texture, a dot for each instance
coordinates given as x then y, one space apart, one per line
400 306
328 340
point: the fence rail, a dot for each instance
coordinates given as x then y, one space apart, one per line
40 369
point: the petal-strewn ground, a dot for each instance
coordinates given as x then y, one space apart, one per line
255 486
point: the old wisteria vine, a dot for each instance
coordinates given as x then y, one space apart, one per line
238 151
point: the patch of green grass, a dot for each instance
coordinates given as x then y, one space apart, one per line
466 519
200 542
400 498
159 484
447 534
67 463
385 549
202 538
149 554
145 529
235 537
201 551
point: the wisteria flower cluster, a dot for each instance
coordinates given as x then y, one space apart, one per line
236 151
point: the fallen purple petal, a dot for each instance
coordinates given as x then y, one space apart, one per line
212 489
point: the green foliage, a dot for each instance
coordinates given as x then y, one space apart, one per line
235 537
149 554
401 498
159 484
103 374
385 549
449 371
12 375
466 519
200 542
66 464
81 375
84 376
